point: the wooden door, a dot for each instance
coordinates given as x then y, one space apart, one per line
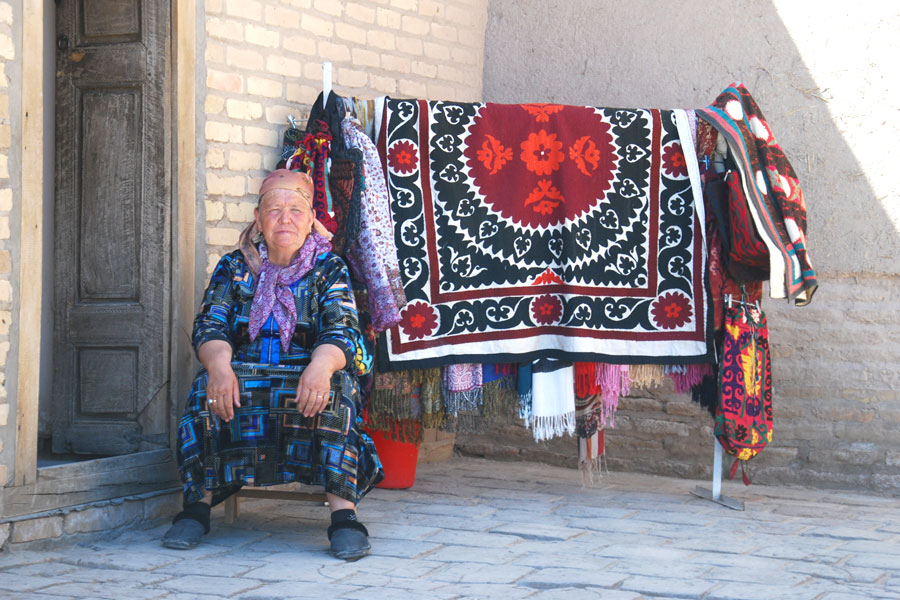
112 262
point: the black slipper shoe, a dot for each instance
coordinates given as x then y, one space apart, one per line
184 534
349 540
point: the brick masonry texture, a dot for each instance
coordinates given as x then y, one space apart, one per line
263 62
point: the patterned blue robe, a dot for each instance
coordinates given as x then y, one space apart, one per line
269 442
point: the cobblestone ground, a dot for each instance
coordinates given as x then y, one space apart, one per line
474 528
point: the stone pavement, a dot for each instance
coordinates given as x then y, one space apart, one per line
473 528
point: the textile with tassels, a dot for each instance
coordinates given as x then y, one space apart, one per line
614 382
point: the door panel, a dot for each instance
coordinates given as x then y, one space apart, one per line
110 195
112 263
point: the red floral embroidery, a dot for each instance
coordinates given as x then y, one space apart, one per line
585 152
672 310
546 309
542 153
542 112
548 277
419 320
493 155
673 161
402 157
545 197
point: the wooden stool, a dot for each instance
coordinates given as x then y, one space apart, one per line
233 502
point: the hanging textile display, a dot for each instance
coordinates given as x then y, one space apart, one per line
744 414
529 231
553 400
773 193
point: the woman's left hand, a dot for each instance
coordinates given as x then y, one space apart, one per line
314 389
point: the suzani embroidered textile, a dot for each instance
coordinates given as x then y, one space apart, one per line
539 230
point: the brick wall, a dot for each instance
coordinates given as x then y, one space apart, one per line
263 62
7 56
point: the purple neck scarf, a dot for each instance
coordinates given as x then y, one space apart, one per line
273 293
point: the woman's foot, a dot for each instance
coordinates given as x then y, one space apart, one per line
188 527
183 534
349 538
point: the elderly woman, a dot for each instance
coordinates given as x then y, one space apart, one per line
277 400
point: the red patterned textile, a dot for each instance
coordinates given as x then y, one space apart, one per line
543 231
773 192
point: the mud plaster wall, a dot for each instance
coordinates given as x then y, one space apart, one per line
823 73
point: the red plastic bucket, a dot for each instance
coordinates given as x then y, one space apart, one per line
399 460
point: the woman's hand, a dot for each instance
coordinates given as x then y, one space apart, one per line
222 388
314 389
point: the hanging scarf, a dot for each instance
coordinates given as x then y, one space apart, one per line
524 389
686 377
614 382
273 294
646 377
462 387
553 401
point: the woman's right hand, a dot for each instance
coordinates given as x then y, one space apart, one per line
222 384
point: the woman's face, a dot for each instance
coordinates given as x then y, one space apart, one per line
285 218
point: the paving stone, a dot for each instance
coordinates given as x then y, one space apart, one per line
611 525
398 568
523 531
9 558
556 577
670 587
465 554
297 569
538 531
483 590
19 583
449 523
847 533
478 539
659 568
479 573
593 512
756 591
103 591
400 532
646 553
472 512
297 590
213 567
872 546
121 559
393 593
843 573
401 548
547 559
201 584
573 593
47 569
739 573
875 561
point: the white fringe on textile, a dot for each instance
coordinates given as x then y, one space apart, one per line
525 412
457 401
553 403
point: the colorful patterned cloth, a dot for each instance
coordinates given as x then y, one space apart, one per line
529 231
744 414
373 255
773 193
268 442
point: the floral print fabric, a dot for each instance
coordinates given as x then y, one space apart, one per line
373 256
